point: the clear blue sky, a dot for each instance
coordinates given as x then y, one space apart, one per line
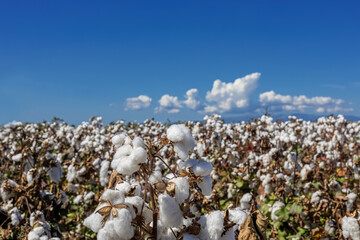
75 59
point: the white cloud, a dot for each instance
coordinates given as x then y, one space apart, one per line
233 95
168 103
301 103
192 101
137 103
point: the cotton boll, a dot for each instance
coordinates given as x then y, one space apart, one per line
136 202
122 225
214 226
350 202
78 199
155 177
238 216
181 137
118 140
206 186
315 197
275 208
94 221
170 213
15 216
113 196
123 151
104 173
33 236
139 155
56 172
202 169
138 142
350 228
181 189
229 235
245 201
123 187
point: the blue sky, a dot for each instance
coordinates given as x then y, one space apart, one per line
76 59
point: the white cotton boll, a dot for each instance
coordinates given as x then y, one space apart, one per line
139 155
245 201
238 216
330 227
15 216
71 173
113 196
304 171
202 169
44 237
17 157
123 187
169 211
181 137
122 225
127 166
104 173
33 236
350 202
155 177
39 230
89 196
138 142
214 226
78 199
350 228
136 202
181 189
118 139
94 221
275 208
206 186
315 197
105 234
123 151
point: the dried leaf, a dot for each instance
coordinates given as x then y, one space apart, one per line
104 210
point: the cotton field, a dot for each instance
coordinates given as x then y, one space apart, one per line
262 179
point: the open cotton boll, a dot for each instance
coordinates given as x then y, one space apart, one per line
245 201
229 235
155 177
138 142
206 186
350 228
104 173
15 216
123 151
118 140
315 197
350 202
33 236
122 225
113 196
139 155
127 165
183 141
181 189
136 202
94 220
202 169
169 211
238 216
213 227
275 208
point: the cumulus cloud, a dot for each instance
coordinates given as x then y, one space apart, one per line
233 95
301 103
170 104
192 101
137 103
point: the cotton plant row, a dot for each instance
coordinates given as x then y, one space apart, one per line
302 175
